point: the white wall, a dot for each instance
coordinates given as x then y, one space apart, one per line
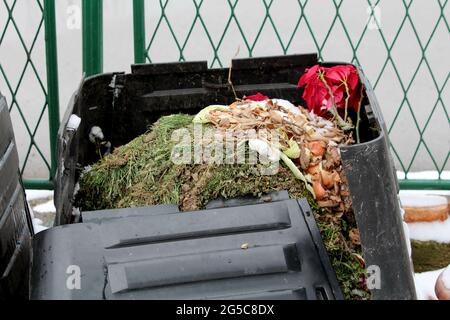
118 55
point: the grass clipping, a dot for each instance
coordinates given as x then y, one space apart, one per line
142 173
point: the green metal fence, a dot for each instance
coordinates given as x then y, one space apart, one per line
146 38
144 42
45 10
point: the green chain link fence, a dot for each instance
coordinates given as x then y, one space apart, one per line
143 54
47 83
146 39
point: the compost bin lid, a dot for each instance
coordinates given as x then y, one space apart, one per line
261 251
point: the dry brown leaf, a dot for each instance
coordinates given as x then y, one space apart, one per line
275 116
354 236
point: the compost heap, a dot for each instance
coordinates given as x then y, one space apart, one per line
144 172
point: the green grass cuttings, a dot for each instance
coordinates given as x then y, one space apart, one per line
142 173
430 255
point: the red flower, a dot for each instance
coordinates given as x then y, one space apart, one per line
348 73
257 97
355 97
341 81
310 75
317 97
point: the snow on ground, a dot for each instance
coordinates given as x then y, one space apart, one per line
421 200
38 225
48 206
42 209
424 175
38 194
425 283
424 192
438 231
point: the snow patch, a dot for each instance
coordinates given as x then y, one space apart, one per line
38 194
438 231
48 206
422 200
423 175
38 225
424 192
30 210
425 283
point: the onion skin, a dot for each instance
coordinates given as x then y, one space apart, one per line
329 178
313 170
318 148
319 191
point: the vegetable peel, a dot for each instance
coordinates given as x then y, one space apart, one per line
203 115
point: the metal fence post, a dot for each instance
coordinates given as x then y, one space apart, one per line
92 11
413 184
139 31
52 80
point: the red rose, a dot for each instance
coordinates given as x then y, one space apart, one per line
310 74
346 73
257 97
342 81
315 93
355 97
317 97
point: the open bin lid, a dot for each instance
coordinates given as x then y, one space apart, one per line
262 251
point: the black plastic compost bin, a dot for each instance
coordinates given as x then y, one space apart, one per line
124 105
15 221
